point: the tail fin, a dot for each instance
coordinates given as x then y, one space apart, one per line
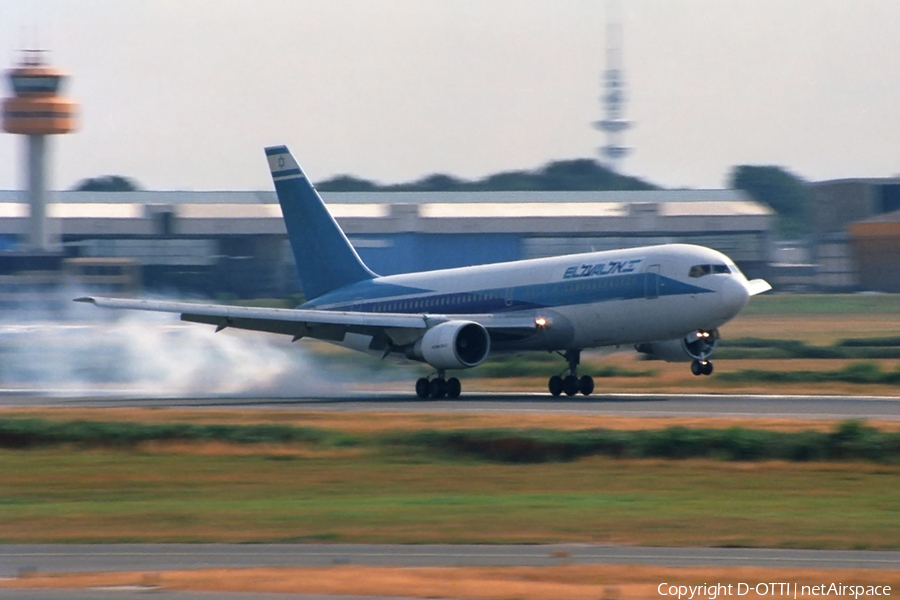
325 259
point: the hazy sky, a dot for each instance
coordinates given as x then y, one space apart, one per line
184 94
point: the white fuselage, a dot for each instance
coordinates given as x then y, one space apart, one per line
597 299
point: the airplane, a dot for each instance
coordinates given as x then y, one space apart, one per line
667 301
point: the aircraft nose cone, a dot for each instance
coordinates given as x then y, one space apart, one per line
735 296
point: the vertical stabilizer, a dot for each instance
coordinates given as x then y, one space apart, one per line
325 259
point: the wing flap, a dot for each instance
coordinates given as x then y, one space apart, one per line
292 328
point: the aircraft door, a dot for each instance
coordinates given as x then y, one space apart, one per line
651 282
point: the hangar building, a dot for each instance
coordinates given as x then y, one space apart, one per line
875 243
855 228
215 243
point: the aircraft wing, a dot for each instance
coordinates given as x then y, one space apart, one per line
318 324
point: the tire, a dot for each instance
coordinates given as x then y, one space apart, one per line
696 368
555 385
708 368
454 388
570 385
437 388
586 385
422 388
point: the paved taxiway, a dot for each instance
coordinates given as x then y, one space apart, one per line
14 558
25 558
649 405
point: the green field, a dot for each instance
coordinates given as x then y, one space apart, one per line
351 488
822 304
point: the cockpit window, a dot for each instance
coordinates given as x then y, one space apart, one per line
701 270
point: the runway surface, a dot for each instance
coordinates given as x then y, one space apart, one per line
655 405
47 558
23 559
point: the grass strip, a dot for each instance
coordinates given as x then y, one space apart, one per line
178 493
32 433
873 342
577 582
822 304
851 440
751 347
857 373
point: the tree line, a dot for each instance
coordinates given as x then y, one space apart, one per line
786 193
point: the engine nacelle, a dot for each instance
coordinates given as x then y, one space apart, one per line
697 345
453 345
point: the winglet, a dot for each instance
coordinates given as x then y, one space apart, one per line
758 286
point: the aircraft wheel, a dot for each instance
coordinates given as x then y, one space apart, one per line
707 367
454 388
422 388
586 385
696 368
555 385
570 385
437 388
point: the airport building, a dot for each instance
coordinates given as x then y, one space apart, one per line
235 243
855 228
875 244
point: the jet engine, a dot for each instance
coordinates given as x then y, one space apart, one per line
453 345
697 345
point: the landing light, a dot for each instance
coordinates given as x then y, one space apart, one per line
540 322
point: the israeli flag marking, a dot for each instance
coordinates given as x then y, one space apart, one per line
283 166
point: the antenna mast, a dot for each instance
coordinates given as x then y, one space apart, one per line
613 99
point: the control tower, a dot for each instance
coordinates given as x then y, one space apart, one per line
37 110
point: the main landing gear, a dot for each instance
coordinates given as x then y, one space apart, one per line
701 367
438 387
571 384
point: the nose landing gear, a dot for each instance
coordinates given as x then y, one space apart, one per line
702 367
571 384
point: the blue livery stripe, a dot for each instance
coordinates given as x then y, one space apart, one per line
502 300
273 150
287 172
